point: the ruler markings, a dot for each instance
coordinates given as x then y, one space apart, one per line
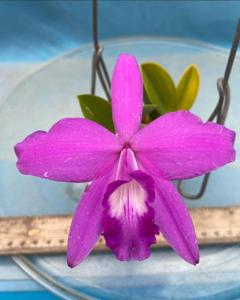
48 234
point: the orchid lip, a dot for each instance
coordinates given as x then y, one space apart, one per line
128 219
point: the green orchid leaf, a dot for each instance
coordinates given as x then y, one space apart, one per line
145 97
159 87
188 87
148 109
97 109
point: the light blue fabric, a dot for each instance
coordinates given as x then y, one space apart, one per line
36 30
27 295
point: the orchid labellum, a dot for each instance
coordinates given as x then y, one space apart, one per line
131 198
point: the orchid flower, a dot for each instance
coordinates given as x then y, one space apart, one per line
130 198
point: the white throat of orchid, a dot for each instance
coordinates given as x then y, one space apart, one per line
129 198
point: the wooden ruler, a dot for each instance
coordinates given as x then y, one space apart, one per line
48 234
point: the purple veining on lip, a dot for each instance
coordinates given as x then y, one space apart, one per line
130 197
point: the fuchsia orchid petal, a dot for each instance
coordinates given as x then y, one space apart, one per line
174 221
86 224
128 225
179 145
73 150
127 96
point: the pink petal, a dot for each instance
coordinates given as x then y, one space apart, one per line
179 145
128 224
73 150
127 96
174 221
86 225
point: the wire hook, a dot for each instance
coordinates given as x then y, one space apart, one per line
98 65
220 111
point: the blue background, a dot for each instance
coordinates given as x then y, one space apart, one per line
27 295
37 30
40 30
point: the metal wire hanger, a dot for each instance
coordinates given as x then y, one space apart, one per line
219 113
98 64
